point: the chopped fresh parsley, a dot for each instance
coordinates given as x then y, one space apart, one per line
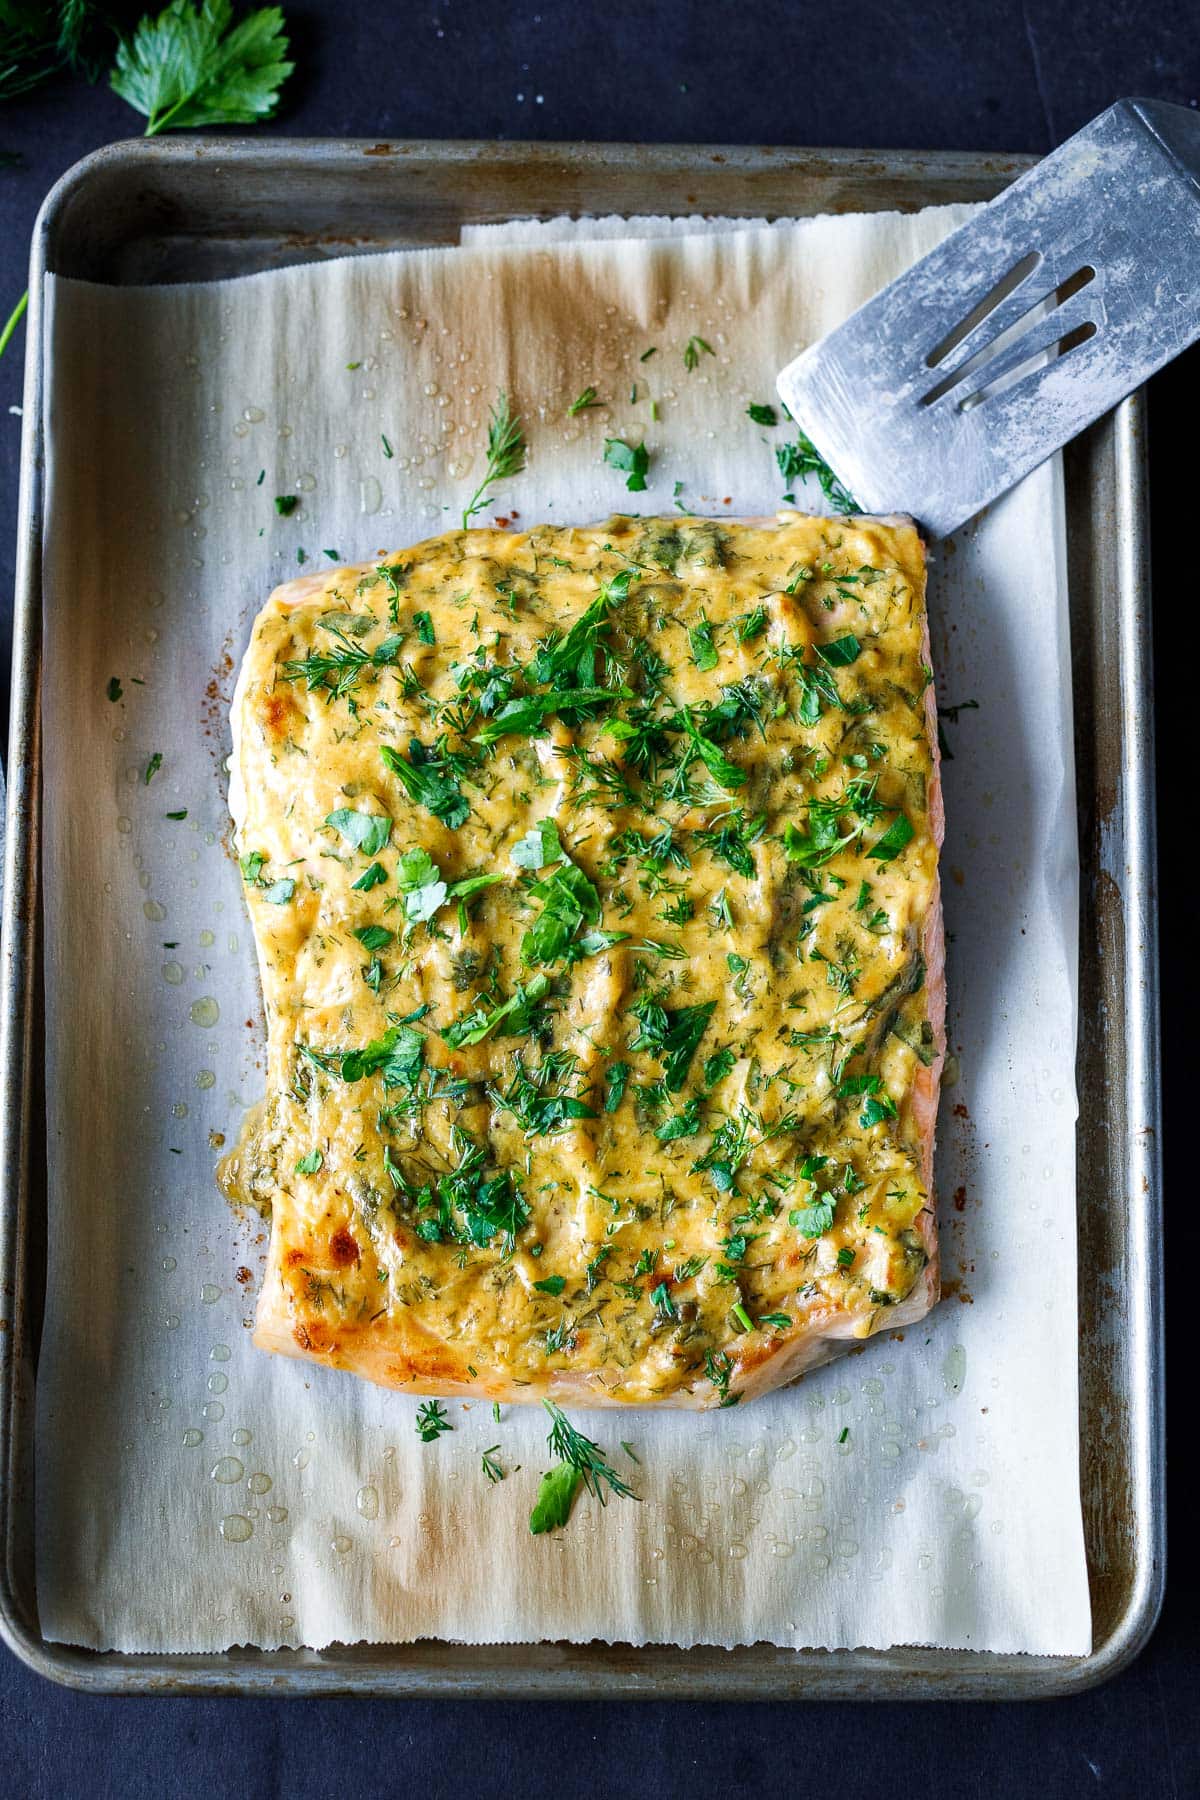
286 504
762 414
308 1165
483 1019
114 689
633 461
152 767
426 782
368 832
556 1493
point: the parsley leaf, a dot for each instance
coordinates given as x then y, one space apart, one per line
397 1056
898 834
671 1035
812 1220
189 68
426 785
280 892
286 504
762 415
308 1165
478 1024
556 1493
633 460
539 847
368 832
704 649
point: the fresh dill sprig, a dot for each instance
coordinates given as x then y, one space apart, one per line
490 1466
589 397
581 1454
338 670
506 449
803 458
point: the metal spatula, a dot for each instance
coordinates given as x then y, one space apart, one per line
1020 329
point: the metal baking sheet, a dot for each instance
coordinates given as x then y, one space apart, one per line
191 210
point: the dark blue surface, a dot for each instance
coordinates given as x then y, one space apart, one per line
972 75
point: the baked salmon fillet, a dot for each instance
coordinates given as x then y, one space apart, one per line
594 880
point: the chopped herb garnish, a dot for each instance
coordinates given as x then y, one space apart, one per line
368 832
431 1421
553 1284
762 414
372 876
587 398
693 350
286 504
556 1493
898 834
280 892
478 1024
801 458
114 689
491 1468
426 784
633 461
308 1165
506 450
152 767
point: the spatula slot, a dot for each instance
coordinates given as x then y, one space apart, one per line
1040 309
1038 360
1008 284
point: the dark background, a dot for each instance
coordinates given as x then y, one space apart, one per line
957 74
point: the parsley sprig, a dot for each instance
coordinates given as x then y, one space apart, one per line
192 66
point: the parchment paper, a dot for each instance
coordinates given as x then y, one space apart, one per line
193 1493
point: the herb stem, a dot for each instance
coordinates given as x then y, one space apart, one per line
13 320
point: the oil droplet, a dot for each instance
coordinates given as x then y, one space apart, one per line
227 1469
253 415
340 1544
954 1369
241 1435
210 1294
738 1550
213 1412
124 825
300 1460
173 972
260 1484
168 1263
236 1528
179 1110
153 910
370 495
207 938
219 1353
172 1322
204 1011
205 1078
193 1437
367 1502
217 1384
277 1514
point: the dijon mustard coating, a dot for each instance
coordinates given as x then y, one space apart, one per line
593 875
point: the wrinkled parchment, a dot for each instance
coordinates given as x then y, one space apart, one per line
194 1493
